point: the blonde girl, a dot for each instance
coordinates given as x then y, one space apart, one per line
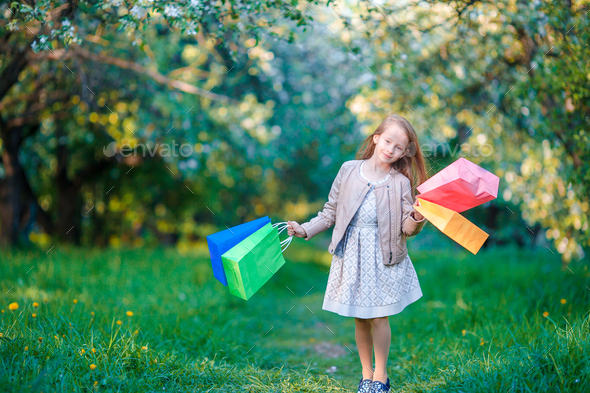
371 275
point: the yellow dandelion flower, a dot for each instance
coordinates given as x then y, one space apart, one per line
93 350
26 348
144 348
431 339
35 304
34 315
1 334
2 311
119 322
75 301
56 337
95 383
463 332
482 342
92 366
546 314
63 335
92 313
40 339
136 331
563 301
82 352
13 306
129 313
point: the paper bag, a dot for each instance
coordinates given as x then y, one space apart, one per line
460 186
453 225
252 262
221 242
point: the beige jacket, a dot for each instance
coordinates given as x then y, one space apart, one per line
394 205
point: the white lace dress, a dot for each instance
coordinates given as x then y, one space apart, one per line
359 284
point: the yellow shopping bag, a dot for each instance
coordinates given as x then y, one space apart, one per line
453 225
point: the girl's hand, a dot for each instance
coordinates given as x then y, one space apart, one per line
417 216
295 229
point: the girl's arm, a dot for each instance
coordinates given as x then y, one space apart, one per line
410 226
326 217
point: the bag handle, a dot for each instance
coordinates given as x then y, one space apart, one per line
288 240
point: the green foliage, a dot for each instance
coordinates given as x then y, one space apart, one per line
216 19
269 122
255 123
508 80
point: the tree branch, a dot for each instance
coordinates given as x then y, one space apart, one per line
10 75
77 51
32 115
21 59
14 100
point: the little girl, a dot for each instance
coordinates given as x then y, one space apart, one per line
372 276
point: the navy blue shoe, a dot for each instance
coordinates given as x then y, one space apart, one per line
365 385
378 386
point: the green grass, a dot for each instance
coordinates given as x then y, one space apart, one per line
478 327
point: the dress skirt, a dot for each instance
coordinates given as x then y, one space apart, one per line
359 284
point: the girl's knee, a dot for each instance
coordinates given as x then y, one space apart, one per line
372 321
379 320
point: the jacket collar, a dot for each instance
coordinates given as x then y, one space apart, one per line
357 171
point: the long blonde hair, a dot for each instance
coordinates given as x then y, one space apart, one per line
412 164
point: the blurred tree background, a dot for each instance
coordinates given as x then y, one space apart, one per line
138 123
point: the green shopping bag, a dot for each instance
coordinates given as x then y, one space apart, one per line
252 262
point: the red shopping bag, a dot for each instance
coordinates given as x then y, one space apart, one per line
460 186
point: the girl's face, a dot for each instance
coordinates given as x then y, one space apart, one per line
391 145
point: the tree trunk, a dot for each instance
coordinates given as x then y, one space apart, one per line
69 205
69 202
11 189
18 202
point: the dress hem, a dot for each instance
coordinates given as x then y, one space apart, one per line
348 310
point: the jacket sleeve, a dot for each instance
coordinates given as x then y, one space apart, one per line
326 217
410 226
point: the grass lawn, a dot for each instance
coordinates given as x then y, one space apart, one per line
506 320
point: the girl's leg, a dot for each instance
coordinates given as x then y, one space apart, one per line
364 343
382 341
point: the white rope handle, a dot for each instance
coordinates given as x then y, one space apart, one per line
288 240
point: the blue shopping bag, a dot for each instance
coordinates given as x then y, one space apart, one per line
221 242
253 261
